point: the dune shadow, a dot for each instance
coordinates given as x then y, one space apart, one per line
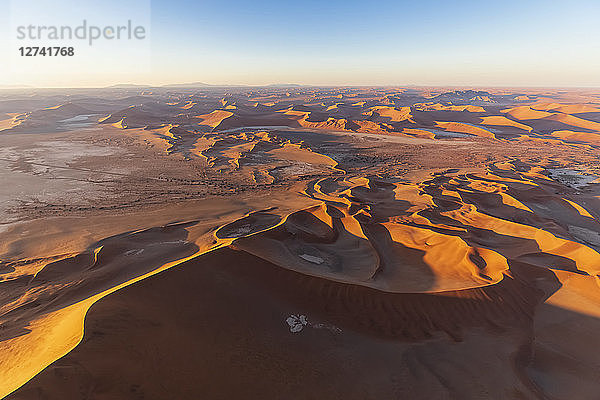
106 264
218 324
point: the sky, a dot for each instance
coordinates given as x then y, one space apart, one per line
338 42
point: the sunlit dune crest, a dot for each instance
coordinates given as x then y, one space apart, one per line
120 124
188 105
503 121
10 122
525 113
577 136
464 128
575 121
580 209
214 118
567 108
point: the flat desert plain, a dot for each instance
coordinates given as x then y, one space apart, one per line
300 243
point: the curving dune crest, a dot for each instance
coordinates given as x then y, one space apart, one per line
121 124
575 121
215 118
465 128
188 105
526 113
574 136
500 120
46 321
567 108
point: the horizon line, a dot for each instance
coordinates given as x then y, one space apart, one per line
199 85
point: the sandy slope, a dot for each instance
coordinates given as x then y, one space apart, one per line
222 332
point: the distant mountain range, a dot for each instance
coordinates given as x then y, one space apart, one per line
15 87
193 85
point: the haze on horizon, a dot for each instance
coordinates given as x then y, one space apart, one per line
429 43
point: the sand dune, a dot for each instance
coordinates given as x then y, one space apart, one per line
222 289
577 136
525 113
215 118
10 122
575 121
44 318
121 124
567 108
465 128
499 120
188 105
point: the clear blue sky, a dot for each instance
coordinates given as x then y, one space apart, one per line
427 42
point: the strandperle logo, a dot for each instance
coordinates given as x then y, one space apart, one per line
85 31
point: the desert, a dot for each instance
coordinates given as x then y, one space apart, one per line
300 242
